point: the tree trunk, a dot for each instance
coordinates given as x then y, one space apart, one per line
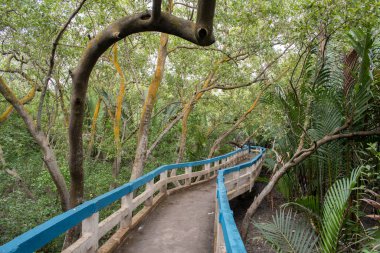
162 134
26 99
189 107
62 103
42 140
182 144
52 61
116 128
2 160
147 110
257 201
93 127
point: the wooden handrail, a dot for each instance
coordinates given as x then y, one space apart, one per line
156 185
232 182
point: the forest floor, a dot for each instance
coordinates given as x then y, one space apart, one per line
264 213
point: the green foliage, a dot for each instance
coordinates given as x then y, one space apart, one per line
257 31
286 234
311 207
334 208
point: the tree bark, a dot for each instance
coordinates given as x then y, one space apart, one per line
26 99
150 100
189 107
42 140
116 128
93 127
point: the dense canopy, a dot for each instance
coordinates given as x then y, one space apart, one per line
298 77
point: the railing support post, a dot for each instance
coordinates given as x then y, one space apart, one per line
149 188
236 176
126 202
163 178
252 176
188 171
90 227
207 168
173 173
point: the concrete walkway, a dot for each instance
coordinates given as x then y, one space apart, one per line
182 223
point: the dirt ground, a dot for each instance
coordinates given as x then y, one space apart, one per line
264 213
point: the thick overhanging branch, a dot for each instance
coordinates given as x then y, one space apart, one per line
199 33
205 16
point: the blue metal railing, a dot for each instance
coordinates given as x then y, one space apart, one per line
232 238
39 236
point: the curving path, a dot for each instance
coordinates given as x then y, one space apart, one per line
182 223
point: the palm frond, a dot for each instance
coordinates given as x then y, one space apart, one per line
286 235
309 205
362 41
334 208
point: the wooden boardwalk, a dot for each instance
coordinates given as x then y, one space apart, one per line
182 223
158 219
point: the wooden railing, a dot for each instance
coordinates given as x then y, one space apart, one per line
137 199
232 182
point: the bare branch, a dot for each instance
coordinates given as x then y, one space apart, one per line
42 140
52 61
186 5
13 173
163 133
232 87
200 48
